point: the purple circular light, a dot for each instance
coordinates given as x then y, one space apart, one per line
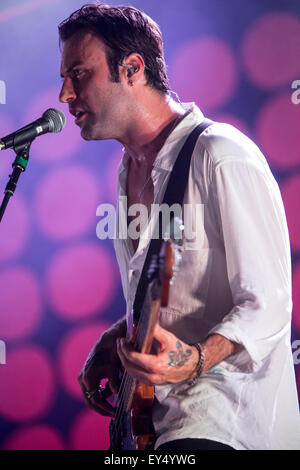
278 131
80 281
89 431
204 70
111 176
20 303
26 384
296 298
35 437
290 191
270 48
52 147
7 157
15 229
232 120
66 201
73 351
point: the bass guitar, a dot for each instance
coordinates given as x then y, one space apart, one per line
132 427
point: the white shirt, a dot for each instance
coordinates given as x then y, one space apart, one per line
237 283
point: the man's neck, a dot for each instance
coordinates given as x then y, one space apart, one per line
153 122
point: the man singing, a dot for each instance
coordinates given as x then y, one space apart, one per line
229 314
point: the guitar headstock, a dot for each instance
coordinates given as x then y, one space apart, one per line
163 267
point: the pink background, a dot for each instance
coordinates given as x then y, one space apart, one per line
59 285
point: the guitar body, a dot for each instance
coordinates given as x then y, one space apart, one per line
141 417
136 431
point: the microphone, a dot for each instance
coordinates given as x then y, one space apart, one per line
53 120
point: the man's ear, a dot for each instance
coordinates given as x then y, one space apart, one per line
133 68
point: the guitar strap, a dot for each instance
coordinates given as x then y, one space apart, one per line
174 194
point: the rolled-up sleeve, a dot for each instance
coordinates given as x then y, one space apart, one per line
254 231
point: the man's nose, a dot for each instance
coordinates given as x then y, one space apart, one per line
67 93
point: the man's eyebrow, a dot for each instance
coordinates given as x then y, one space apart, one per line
74 64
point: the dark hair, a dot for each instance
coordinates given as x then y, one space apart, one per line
124 30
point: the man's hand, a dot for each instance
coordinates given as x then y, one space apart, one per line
102 363
174 362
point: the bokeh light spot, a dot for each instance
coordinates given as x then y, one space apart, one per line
112 176
73 351
270 50
20 303
89 431
26 384
8 156
15 229
37 437
232 120
290 191
296 298
66 202
213 78
52 147
81 281
278 131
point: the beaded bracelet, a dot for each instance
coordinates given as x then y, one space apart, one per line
199 368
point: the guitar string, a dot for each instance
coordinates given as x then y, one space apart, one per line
124 389
119 421
127 381
122 400
121 409
126 377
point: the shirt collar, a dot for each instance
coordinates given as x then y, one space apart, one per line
167 154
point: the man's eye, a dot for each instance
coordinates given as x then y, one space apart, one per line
77 72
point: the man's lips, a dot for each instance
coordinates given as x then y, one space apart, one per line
79 114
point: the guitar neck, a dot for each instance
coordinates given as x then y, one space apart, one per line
142 342
126 392
145 329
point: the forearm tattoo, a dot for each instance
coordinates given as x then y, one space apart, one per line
179 357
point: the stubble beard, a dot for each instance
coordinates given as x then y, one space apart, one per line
101 128
88 131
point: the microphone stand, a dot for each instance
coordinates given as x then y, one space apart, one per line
19 166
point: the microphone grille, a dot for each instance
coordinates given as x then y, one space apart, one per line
55 118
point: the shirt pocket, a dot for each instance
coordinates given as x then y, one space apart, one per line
188 293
